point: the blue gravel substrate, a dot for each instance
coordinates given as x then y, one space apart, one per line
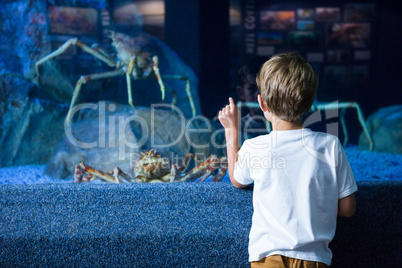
45 223
136 225
171 225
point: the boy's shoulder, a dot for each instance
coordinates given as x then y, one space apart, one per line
259 140
322 135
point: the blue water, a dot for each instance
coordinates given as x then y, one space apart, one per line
366 166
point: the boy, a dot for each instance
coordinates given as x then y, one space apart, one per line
253 123
302 179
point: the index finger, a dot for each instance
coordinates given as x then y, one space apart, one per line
231 103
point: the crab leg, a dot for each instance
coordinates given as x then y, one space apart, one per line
217 168
188 90
344 129
128 79
208 171
81 168
123 177
184 164
83 80
176 170
158 76
129 71
79 174
223 167
190 97
208 167
75 42
174 95
174 175
162 86
200 169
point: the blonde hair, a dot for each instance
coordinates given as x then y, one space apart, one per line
288 85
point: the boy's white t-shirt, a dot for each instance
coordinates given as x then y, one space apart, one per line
298 176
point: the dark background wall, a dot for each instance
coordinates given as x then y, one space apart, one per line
387 84
199 32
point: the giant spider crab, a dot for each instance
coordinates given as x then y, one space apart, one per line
151 167
133 60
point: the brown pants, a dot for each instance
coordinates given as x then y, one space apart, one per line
279 261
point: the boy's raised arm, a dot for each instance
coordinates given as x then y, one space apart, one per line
229 118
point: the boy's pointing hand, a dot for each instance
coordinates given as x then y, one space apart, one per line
229 115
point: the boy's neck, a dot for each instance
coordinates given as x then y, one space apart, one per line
282 125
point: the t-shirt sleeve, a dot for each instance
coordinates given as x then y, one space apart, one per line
346 180
241 171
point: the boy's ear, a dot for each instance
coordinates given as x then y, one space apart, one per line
262 104
240 92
